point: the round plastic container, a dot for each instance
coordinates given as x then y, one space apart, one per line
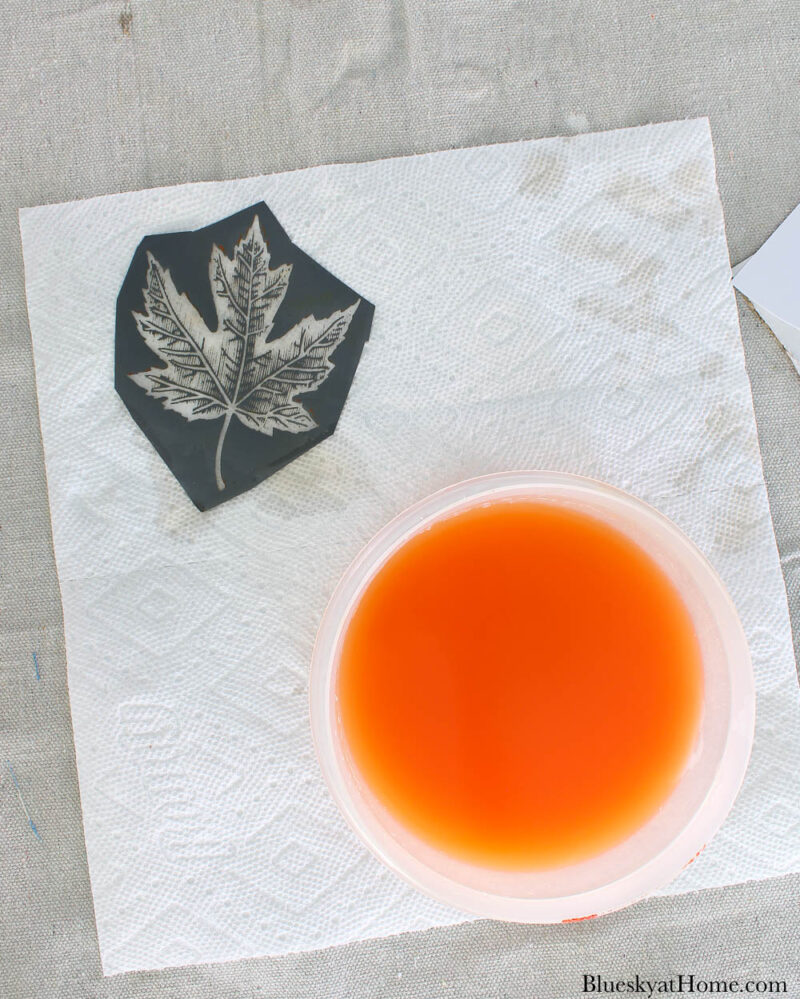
657 851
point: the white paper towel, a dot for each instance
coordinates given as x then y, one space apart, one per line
562 304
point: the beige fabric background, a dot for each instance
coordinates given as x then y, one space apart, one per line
101 95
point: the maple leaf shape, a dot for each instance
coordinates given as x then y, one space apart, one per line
236 370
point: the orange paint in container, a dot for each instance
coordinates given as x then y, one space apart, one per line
520 685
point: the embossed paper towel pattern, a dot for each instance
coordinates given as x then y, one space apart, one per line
562 304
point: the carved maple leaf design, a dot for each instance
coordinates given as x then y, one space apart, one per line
236 370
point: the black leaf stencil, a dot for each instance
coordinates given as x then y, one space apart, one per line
235 351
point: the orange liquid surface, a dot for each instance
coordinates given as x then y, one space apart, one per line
520 685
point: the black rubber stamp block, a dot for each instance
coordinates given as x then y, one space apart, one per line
235 351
